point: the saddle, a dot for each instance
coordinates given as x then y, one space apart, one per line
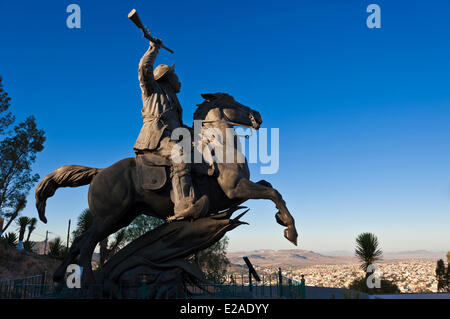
152 170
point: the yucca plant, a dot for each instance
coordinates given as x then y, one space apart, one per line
85 220
56 248
31 227
367 250
22 222
29 245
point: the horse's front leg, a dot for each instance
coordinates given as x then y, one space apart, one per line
247 189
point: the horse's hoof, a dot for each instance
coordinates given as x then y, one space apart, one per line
291 234
279 220
174 219
170 219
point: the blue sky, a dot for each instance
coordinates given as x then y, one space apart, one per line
364 114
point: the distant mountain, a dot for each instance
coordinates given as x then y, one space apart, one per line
416 254
293 257
338 253
408 254
301 258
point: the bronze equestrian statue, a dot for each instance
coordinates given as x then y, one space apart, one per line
117 194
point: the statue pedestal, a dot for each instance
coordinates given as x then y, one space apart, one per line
157 265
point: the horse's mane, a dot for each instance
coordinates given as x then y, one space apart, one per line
202 110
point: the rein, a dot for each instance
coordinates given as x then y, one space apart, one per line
233 124
227 121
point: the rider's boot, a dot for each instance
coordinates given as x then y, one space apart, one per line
183 195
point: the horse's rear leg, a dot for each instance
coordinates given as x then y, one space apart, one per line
73 252
261 190
101 229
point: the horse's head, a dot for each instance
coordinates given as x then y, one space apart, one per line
221 107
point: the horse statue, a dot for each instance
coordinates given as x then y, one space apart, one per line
116 196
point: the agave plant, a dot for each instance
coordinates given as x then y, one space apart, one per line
367 250
10 239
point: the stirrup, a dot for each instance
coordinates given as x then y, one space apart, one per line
194 210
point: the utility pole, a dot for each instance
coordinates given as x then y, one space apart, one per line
46 238
68 236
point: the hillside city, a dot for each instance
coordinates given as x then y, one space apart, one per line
411 276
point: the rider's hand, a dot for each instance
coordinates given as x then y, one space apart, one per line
145 32
156 41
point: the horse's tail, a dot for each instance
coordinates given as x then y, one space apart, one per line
66 176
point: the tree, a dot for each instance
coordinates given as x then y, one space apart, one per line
108 250
19 205
367 250
6 118
31 227
214 261
443 276
141 225
18 148
22 222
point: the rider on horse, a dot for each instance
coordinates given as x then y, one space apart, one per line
162 113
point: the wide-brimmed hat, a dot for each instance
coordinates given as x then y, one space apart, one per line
162 70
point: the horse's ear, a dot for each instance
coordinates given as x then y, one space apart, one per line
208 97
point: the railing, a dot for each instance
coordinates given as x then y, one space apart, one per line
293 290
275 285
208 290
241 285
218 287
23 288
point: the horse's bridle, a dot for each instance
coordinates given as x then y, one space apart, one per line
228 121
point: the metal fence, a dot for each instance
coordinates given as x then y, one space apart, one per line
236 286
293 289
24 288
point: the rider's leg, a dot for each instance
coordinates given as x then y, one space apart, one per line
183 195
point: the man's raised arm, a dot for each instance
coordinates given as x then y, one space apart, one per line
146 78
